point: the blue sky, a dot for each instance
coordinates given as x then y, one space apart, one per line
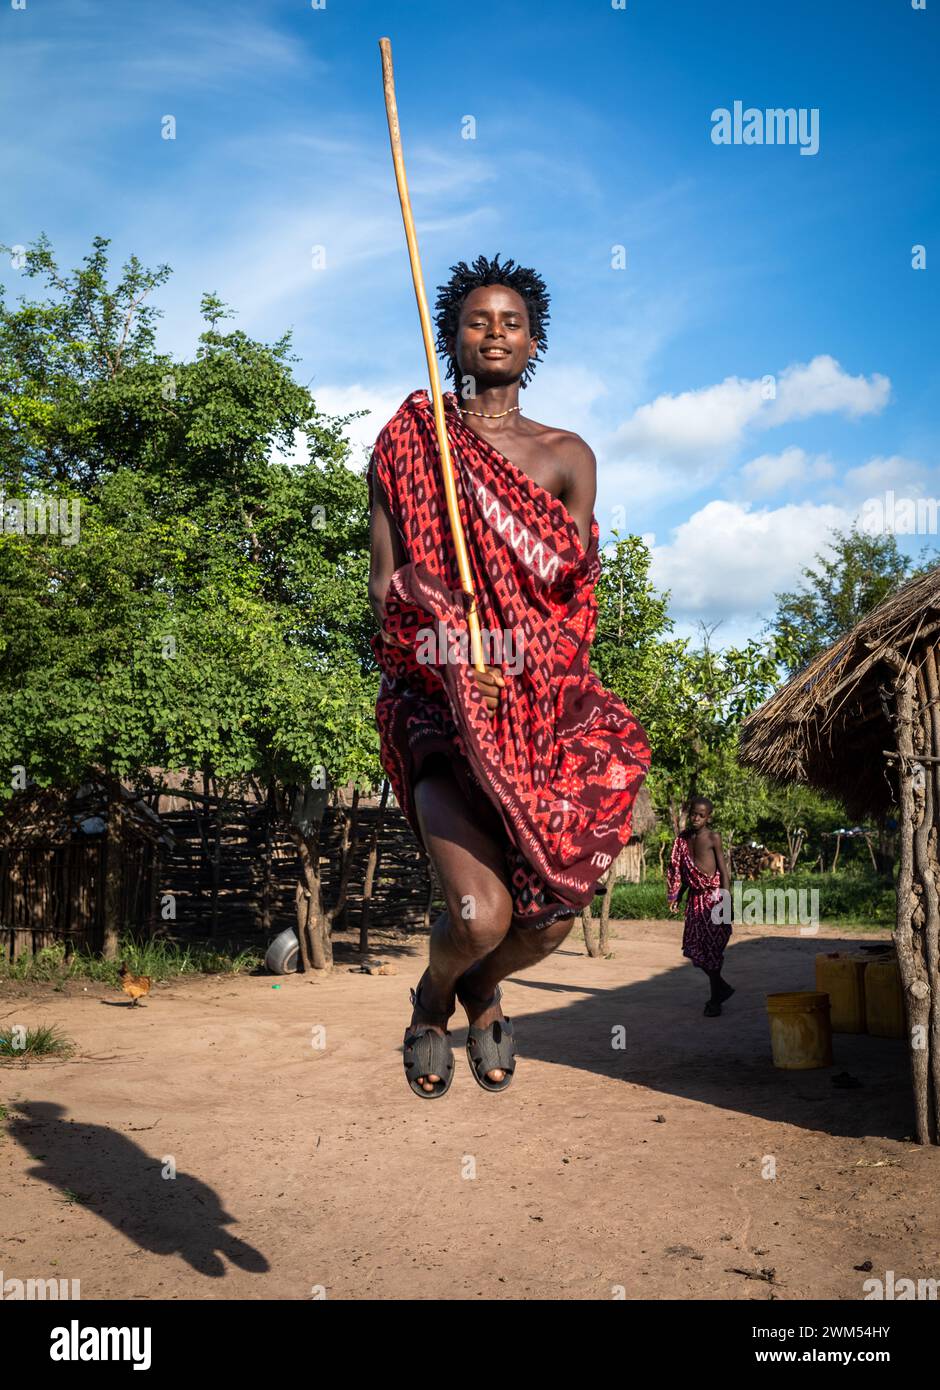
593 130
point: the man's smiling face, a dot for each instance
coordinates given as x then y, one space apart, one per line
493 344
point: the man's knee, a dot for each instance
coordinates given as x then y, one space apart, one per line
480 919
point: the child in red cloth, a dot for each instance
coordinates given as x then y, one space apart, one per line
697 866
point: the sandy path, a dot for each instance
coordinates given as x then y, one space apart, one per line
300 1167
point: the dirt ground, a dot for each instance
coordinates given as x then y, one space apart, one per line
305 1170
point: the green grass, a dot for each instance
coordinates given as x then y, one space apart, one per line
844 899
42 1041
161 960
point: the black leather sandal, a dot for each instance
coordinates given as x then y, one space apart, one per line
490 1047
427 1053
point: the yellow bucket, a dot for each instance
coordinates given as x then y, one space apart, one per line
884 999
842 977
800 1035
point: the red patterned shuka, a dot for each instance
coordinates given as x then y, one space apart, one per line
703 940
561 759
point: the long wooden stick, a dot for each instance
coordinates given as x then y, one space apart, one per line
447 466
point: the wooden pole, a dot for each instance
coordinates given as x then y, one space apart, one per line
447 467
910 962
925 858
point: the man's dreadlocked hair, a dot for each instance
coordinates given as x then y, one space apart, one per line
450 297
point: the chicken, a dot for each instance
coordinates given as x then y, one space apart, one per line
134 985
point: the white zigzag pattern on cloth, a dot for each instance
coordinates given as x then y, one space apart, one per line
520 538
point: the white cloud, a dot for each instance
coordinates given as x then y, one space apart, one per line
706 424
729 560
821 387
689 425
902 475
770 473
891 494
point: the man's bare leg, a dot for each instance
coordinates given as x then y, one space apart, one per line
468 856
483 949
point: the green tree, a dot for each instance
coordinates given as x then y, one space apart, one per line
59 357
631 643
861 571
795 818
690 698
211 614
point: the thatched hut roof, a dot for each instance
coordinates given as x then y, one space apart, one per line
829 725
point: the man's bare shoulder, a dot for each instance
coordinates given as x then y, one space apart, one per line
568 446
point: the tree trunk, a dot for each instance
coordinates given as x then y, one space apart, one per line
302 816
372 868
302 909
605 910
313 926
318 930
604 943
590 935
795 841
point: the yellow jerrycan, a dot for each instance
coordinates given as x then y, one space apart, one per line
800 1032
884 999
841 975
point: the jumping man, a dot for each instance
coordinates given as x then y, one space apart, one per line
520 780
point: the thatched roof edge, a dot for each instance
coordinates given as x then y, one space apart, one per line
795 735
